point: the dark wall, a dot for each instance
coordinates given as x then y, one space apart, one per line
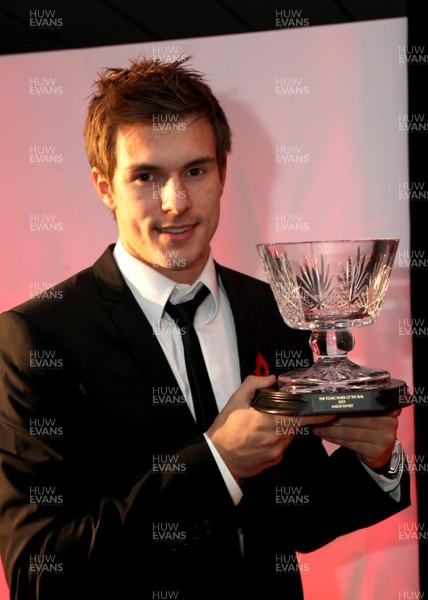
418 164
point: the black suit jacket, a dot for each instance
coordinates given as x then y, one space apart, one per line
109 490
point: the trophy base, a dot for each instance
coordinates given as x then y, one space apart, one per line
387 397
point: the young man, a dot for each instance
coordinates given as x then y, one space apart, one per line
118 480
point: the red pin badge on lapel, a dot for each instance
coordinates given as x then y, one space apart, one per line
262 369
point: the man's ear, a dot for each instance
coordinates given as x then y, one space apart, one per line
104 189
223 172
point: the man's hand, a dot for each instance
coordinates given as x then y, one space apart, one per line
372 437
248 440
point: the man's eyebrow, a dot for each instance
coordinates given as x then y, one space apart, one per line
142 167
201 160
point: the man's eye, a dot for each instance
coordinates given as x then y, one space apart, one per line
145 177
195 171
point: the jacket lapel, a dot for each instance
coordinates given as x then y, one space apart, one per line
248 338
142 343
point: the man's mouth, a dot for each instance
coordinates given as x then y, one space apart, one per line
175 229
176 233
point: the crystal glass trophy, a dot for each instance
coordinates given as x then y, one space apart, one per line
330 288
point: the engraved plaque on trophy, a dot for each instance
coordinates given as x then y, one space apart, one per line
330 288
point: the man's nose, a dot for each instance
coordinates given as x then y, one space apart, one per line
174 196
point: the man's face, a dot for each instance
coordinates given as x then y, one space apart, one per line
166 194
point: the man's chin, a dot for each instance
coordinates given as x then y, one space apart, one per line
173 264
181 268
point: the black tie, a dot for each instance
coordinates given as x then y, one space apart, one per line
199 381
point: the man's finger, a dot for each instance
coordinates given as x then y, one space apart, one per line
248 389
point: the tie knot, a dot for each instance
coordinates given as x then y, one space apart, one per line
185 312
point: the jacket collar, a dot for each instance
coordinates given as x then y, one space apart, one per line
144 348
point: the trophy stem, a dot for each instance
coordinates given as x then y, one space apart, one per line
332 369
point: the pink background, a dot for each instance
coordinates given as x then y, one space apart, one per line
341 123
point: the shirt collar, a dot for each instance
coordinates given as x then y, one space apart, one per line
152 290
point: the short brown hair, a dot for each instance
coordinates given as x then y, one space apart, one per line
148 87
